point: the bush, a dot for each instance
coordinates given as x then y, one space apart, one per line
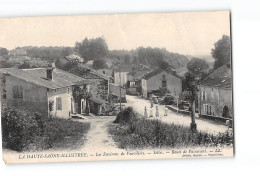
25 131
19 129
126 116
62 133
145 133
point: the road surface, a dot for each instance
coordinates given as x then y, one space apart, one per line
139 104
97 138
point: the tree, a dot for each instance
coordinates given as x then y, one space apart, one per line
222 51
127 59
25 65
92 49
3 52
163 65
196 65
99 64
66 51
190 94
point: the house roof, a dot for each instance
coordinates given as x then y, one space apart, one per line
38 76
156 72
95 72
221 77
90 62
73 57
124 68
138 74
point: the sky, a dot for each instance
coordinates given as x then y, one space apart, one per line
188 33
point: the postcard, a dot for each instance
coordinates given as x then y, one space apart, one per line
116 87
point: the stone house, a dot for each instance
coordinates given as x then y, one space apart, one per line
114 94
158 80
134 80
120 74
101 84
215 96
48 91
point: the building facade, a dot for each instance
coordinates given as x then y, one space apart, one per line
160 80
215 96
48 91
120 74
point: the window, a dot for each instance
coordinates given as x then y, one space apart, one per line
205 109
68 90
209 110
164 83
17 92
58 103
163 77
212 95
203 95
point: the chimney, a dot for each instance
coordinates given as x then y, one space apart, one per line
49 71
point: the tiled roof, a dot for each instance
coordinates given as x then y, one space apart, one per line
155 72
124 68
221 77
95 72
138 74
38 76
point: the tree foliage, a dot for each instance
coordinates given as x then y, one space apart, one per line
99 64
127 60
66 51
3 52
221 51
92 49
196 65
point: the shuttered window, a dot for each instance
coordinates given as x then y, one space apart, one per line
58 103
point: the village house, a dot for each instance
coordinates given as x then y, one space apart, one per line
134 77
48 91
52 92
120 74
104 90
73 58
215 97
115 93
161 80
90 63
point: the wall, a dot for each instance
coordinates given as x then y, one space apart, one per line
115 90
225 99
34 96
66 99
123 78
216 98
174 84
211 99
144 87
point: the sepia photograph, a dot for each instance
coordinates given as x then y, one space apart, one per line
116 87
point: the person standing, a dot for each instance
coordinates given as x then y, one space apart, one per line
151 111
165 111
145 112
157 112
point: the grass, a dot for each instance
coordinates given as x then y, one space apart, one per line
26 131
143 133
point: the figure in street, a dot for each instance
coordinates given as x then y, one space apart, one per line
157 112
145 112
165 111
151 111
